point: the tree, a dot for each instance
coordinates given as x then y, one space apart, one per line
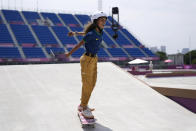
194 61
162 55
192 55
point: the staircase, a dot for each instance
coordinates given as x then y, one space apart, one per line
13 36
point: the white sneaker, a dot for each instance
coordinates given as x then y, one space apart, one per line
80 108
87 113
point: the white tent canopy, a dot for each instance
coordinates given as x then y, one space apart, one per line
137 61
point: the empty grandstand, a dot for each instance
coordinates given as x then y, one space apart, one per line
29 35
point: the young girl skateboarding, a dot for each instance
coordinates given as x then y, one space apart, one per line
88 61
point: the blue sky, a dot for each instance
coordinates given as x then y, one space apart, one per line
154 22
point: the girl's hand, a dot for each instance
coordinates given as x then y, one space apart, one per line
67 54
71 33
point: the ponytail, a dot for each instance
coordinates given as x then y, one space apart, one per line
89 27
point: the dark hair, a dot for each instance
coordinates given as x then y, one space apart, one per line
89 27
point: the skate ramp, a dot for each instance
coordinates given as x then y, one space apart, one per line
45 98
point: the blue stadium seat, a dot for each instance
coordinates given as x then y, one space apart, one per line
78 52
84 19
1 20
23 34
31 17
13 17
9 52
61 33
110 19
121 40
77 29
52 17
117 52
109 31
44 35
134 52
107 40
5 37
69 20
148 52
107 23
102 53
55 50
33 52
131 37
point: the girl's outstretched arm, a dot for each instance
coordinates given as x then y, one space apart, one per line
75 48
76 33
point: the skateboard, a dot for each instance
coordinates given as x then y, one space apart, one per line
85 122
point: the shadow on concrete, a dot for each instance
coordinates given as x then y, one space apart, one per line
98 127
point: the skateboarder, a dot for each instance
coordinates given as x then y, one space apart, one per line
88 61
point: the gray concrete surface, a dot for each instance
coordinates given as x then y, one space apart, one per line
45 98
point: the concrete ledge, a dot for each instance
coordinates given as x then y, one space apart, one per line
172 74
185 93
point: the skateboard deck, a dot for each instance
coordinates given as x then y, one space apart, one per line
85 122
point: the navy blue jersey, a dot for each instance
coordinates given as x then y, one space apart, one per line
92 41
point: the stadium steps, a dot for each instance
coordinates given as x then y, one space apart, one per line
3 19
35 37
105 49
144 52
67 28
59 42
52 17
78 21
42 18
104 44
132 43
75 37
128 39
60 19
15 41
117 46
38 42
116 43
25 21
126 53
138 46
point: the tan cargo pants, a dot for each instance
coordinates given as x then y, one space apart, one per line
89 77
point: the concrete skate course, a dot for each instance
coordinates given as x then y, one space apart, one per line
45 98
